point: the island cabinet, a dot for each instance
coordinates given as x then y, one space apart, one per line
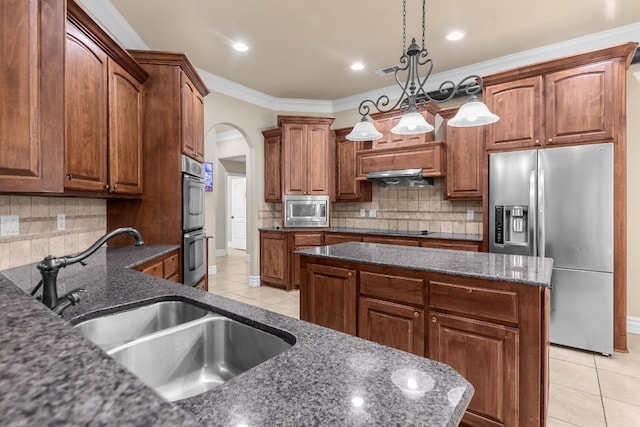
32 94
464 167
348 189
272 165
307 155
493 332
103 100
574 100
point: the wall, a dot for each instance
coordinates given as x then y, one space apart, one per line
85 222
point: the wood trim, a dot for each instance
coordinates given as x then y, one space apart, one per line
98 35
170 58
308 120
430 107
624 51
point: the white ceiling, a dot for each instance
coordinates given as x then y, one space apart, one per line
302 49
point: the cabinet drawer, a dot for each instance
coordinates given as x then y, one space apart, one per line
393 288
154 269
171 266
473 247
475 302
308 239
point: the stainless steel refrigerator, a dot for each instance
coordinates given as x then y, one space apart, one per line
558 203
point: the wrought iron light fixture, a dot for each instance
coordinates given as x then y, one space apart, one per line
473 113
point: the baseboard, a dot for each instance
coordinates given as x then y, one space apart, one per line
213 269
247 258
633 325
254 281
222 252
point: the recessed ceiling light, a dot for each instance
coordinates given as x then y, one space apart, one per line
357 66
240 47
455 35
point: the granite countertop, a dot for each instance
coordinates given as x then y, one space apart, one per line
483 265
50 374
394 233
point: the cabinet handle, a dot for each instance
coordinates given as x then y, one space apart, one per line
433 319
416 314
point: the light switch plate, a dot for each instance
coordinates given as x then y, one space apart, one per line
470 215
372 213
9 225
61 222
363 212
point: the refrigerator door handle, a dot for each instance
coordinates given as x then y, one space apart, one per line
541 224
532 220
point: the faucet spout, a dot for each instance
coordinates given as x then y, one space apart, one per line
50 265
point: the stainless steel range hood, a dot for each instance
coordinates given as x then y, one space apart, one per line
399 178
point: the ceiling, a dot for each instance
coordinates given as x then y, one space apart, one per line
303 49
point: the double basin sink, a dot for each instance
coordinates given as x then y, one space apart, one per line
180 349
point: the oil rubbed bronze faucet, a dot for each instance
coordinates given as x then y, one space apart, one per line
50 266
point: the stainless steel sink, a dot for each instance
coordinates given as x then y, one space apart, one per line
190 359
182 350
119 328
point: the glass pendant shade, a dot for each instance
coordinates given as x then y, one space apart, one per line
412 123
364 130
473 113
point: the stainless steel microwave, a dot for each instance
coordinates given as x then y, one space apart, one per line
306 211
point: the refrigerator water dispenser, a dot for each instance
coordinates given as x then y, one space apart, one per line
512 225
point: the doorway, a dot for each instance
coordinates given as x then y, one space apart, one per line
237 208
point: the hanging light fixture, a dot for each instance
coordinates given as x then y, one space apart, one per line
473 113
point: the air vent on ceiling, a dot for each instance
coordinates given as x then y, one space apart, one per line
386 70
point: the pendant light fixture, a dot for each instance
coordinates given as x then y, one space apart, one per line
473 113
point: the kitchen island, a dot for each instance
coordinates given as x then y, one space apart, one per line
484 314
50 374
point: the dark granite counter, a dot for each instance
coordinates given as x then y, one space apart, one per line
378 232
482 265
50 374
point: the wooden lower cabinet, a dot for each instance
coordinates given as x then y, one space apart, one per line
165 267
391 324
390 240
329 294
273 259
335 238
449 244
486 354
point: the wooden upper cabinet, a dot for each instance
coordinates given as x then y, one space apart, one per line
306 155
573 100
519 105
579 104
384 122
103 99
464 171
125 131
347 187
86 98
272 165
31 90
192 119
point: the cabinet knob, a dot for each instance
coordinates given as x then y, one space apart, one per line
115 186
469 290
537 141
433 319
69 177
416 314
550 140
106 186
349 274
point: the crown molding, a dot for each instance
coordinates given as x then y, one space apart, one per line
109 17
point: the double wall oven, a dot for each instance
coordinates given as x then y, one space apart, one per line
194 257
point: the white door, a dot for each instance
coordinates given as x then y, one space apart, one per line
238 193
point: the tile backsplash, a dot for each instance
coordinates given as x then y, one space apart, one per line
399 208
85 222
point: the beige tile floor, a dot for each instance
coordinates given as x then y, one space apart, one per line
585 389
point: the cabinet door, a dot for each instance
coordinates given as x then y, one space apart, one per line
580 105
519 105
125 131
464 167
394 325
188 93
347 187
272 169
198 126
86 101
31 93
330 296
295 161
486 354
318 167
273 258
